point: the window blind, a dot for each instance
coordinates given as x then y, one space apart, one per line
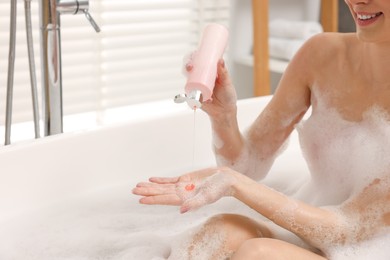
137 56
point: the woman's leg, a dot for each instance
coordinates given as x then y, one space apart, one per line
222 235
272 249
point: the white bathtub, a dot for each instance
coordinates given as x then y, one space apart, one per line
69 196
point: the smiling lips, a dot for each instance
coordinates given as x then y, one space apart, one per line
364 19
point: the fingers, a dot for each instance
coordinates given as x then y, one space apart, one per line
157 194
166 199
198 174
223 79
187 63
222 73
164 180
189 67
153 189
224 95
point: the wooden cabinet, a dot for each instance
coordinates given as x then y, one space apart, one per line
262 65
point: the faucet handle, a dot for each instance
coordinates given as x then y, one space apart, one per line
76 7
91 20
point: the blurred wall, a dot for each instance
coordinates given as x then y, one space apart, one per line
346 22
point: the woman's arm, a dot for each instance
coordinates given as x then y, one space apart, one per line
360 218
365 215
253 153
320 227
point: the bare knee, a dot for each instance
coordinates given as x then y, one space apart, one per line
273 249
256 248
236 222
237 229
232 229
240 227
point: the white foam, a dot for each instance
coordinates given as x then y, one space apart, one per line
101 225
191 246
345 159
376 248
110 224
343 156
105 224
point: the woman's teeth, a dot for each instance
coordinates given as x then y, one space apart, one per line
367 16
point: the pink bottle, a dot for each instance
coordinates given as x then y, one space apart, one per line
201 78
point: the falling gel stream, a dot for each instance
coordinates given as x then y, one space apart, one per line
193 139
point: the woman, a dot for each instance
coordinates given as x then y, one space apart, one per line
345 79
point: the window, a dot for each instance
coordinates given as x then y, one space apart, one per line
137 56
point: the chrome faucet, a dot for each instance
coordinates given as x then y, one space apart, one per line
11 69
50 24
50 11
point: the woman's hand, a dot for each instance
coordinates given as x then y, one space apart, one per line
190 191
224 98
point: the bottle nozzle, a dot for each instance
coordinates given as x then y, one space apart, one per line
192 99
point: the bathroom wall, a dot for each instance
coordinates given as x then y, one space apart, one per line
241 32
346 22
241 40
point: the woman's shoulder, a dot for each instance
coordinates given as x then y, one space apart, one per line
325 50
325 46
334 38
